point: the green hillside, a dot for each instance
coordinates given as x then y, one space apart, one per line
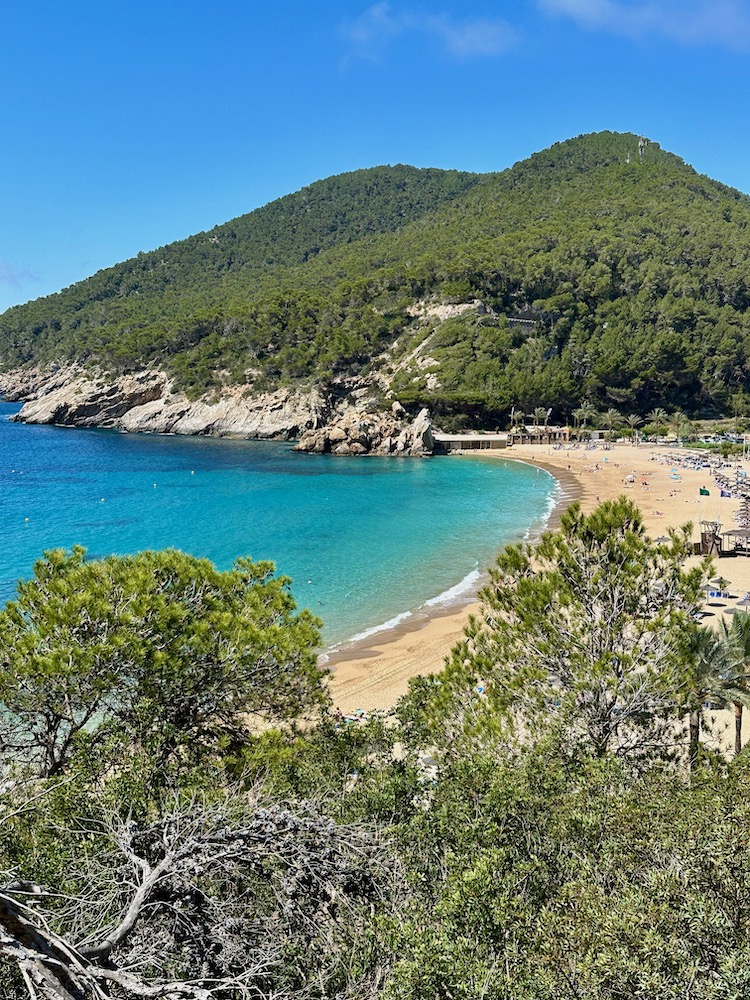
161 304
594 274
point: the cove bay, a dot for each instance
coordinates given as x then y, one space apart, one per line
365 541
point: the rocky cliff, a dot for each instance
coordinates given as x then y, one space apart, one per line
145 401
346 423
358 432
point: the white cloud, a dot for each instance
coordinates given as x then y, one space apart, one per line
373 29
481 37
691 22
371 32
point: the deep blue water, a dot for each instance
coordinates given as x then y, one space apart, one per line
364 540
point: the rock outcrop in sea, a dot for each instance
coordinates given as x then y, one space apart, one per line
357 432
346 421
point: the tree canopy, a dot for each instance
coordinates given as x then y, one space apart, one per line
584 273
586 632
533 821
158 651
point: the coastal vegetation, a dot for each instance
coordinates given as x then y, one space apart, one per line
548 817
584 275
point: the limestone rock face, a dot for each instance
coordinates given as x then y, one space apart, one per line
353 432
421 433
340 421
145 401
76 400
25 383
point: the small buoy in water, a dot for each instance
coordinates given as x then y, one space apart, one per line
192 472
154 485
27 519
102 500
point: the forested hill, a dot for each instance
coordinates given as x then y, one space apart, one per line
591 271
157 304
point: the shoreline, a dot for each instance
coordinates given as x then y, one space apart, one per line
374 673
427 635
416 618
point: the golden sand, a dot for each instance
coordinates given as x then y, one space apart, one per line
376 673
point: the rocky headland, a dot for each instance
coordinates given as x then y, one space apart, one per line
344 420
354 432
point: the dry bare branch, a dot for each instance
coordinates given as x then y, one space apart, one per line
211 900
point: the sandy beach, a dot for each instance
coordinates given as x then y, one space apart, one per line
376 673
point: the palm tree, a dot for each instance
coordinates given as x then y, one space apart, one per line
583 414
678 417
516 419
539 413
611 418
587 410
740 633
680 424
717 672
657 416
633 421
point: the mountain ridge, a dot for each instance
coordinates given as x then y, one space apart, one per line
600 273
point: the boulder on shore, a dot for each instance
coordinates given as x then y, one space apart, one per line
354 433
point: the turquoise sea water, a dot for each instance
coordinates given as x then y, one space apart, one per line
365 540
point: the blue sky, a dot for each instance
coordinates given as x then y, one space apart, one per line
127 125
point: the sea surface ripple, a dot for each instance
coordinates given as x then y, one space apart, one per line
366 541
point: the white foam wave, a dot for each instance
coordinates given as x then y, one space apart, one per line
385 627
453 593
557 496
465 587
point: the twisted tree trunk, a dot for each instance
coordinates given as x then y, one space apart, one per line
45 961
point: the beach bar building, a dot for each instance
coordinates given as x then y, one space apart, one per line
478 441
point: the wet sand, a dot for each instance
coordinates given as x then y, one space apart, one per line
375 673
